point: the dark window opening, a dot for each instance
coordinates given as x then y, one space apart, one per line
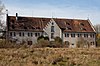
84 29
14 34
36 35
37 27
31 34
65 34
69 28
82 24
79 35
52 35
67 23
29 42
28 34
10 33
92 35
52 23
25 27
72 35
33 28
86 35
72 44
23 34
52 28
20 34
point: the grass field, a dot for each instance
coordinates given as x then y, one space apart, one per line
49 57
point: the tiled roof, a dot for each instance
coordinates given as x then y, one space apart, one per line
37 24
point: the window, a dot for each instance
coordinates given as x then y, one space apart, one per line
28 34
52 28
79 35
19 33
10 33
52 23
36 35
72 35
92 35
31 34
68 28
25 27
66 35
52 35
23 34
67 23
86 35
14 34
82 24
83 29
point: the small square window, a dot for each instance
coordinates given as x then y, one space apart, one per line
52 23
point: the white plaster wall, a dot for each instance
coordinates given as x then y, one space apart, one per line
74 40
57 30
25 37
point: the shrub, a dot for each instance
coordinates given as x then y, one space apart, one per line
42 43
40 37
58 39
46 38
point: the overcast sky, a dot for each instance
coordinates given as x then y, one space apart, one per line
74 9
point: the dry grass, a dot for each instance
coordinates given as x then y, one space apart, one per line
49 57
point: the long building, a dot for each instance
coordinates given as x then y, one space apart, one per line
28 29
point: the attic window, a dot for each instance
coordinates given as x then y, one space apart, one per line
43 19
37 27
25 27
67 23
82 24
83 29
68 28
33 28
52 23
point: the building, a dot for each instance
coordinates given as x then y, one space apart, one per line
28 29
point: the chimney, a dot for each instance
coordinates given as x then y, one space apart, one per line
16 16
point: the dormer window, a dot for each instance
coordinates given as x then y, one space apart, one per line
82 24
25 27
67 24
83 29
68 28
33 28
37 27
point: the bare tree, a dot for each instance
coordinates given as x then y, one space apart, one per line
2 8
97 28
2 22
